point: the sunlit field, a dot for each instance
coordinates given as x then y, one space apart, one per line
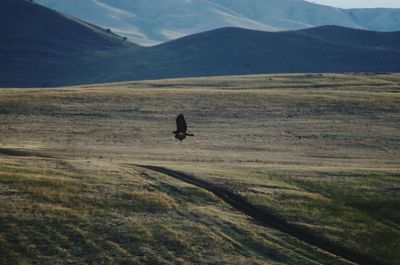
321 152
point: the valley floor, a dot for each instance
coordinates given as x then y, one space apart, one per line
320 153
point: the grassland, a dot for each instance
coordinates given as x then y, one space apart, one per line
322 152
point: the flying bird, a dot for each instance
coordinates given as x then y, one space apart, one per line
181 128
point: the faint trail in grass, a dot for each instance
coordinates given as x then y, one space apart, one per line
269 219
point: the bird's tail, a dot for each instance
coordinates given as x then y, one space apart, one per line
189 134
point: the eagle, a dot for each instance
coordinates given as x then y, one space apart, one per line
181 128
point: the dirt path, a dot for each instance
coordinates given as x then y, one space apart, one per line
268 219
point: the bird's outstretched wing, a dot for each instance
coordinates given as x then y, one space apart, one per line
181 124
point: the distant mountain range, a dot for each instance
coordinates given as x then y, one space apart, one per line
42 48
149 22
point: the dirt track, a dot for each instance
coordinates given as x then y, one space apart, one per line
268 219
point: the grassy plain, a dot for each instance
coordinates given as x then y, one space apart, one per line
320 151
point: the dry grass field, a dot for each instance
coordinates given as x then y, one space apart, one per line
321 152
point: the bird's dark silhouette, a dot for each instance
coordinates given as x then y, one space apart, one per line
181 128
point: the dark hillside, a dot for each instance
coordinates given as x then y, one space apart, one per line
239 51
40 47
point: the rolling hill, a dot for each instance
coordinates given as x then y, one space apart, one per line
40 46
153 22
233 51
46 48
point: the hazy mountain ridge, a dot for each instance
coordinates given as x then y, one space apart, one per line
155 21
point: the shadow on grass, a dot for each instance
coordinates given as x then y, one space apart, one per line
13 152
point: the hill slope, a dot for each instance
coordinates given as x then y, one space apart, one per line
152 22
39 45
320 151
239 51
